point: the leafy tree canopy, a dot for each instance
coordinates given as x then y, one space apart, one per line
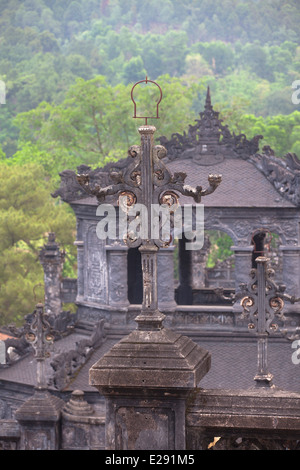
27 214
68 68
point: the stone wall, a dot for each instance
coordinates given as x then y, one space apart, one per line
215 419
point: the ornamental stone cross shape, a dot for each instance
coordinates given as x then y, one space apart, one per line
147 181
40 336
147 376
263 302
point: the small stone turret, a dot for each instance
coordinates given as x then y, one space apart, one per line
52 259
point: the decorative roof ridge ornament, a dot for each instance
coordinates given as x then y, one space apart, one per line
283 173
209 141
208 104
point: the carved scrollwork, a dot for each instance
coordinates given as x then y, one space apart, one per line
40 334
284 174
274 303
130 177
198 192
170 199
126 200
132 173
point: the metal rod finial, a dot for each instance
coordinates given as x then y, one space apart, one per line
157 103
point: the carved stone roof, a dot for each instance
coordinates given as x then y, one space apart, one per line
249 179
243 184
225 372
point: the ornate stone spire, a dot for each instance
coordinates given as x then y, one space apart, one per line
208 105
52 258
209 141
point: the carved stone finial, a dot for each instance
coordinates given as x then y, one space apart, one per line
52 259
40 336
263 305
50 251
77 406
208 100
209 141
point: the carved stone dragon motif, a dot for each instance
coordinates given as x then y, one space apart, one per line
283 173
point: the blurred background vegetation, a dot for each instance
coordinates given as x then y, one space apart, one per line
68 68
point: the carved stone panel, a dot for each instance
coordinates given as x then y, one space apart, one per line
291 261
139 428
38 438
118 278
95 282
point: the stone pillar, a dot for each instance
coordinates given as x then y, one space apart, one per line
165 276
117 275
79 243
185 290
199 260
80 270
39 419
52 260
146 379
243 266
2 352
291 269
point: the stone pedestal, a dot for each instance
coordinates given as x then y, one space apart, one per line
39 421
146 379
82 428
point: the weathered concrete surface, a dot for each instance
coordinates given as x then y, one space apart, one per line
39 421
260 414
146 379
152 359
82 428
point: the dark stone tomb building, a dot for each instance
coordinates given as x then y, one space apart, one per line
259 196
258 200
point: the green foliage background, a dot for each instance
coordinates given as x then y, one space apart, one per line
68 68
